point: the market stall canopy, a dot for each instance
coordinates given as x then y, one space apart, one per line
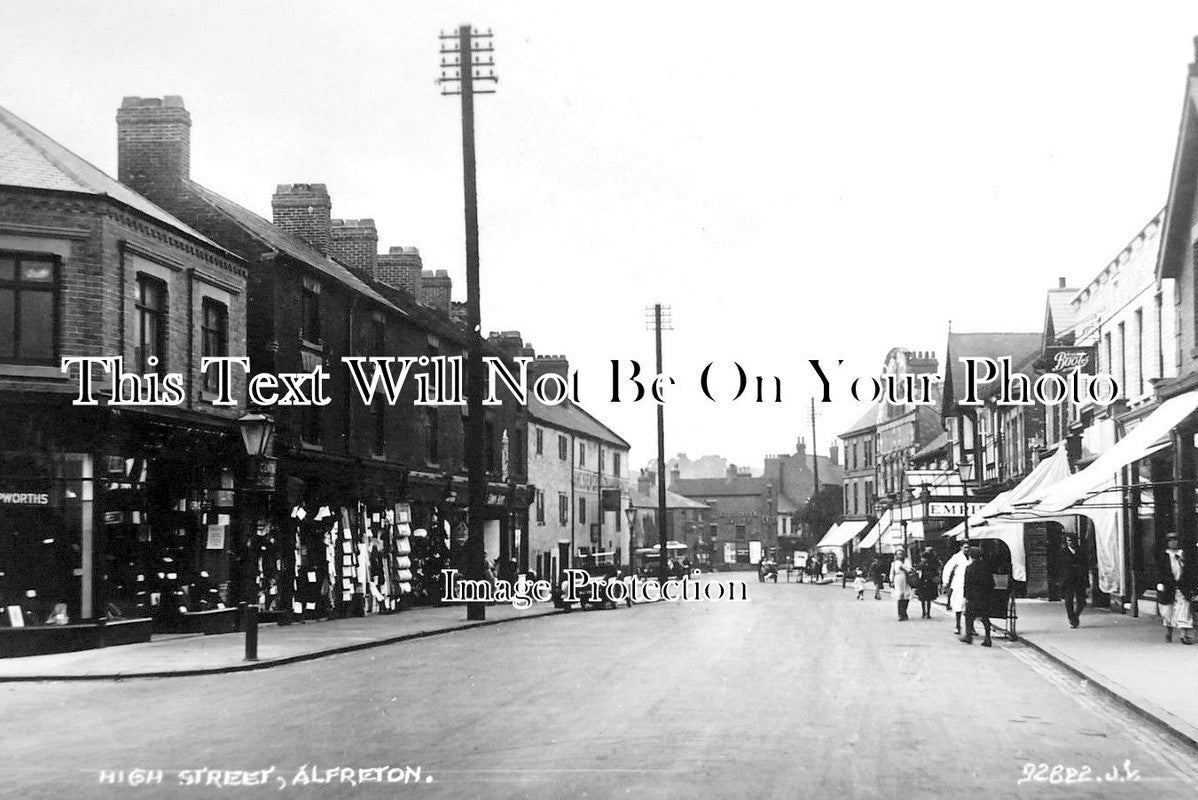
871 538
842 533
1141 442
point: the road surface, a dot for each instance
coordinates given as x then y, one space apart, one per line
800 692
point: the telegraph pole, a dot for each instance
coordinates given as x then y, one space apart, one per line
814 450
462 64
661 317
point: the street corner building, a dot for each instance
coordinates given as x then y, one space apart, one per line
117 520
122 515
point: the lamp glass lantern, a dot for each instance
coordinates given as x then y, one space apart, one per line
257 430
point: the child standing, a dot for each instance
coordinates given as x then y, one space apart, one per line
859 584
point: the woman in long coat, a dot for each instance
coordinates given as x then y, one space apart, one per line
929 582
953 577
900 572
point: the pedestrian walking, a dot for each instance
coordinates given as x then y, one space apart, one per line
859 584
953 576
878 576
900 582
929 582
1178 569
1075 579
979 591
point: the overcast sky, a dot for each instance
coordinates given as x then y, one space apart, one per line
797 181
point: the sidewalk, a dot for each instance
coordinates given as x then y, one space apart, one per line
207 655
1125 656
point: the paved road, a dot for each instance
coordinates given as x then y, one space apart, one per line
801 692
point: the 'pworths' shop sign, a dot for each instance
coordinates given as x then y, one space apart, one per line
11 498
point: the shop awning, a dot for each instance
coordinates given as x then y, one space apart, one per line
871 538
1141 442
841 534
1046 474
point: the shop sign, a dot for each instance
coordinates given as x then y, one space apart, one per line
23 497
1067 360
941 509
729 553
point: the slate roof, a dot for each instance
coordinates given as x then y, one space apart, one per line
741 485
287 243
932 447
1059 313
674 501
32 160
571 417
868 420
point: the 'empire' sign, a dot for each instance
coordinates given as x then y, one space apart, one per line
952 509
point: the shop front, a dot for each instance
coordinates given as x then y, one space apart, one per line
113 525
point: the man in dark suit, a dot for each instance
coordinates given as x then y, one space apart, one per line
979 592
1178 570
1075 579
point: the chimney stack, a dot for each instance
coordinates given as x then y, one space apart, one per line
153 136
732 471
305 210
834 455
543 365
436 290
400 267
1061 283
675 476
355 243
645 481
800 447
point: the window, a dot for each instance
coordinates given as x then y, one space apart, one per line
310 312
310 424
214 337
561 447
1109 366
433 434
378 335
740 531
615 465
378 413
540 442
582 511
563 509
856 506
151 323
869 496
602 459
1123 358
28 298
1139 333
1160 338
582 454
540 507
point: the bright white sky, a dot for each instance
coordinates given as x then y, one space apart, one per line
797 180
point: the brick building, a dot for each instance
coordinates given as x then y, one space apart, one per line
348 473
401 267
436 290
117 512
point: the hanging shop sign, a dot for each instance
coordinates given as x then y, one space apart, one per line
1067 360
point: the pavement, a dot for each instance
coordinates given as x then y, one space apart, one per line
802 691
1124 655
189 655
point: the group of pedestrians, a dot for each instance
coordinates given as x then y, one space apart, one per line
918 578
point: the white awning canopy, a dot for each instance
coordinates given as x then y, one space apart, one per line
871 538
842 533
1141 442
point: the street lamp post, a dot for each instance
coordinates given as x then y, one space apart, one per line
257 431
965 470
630 512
